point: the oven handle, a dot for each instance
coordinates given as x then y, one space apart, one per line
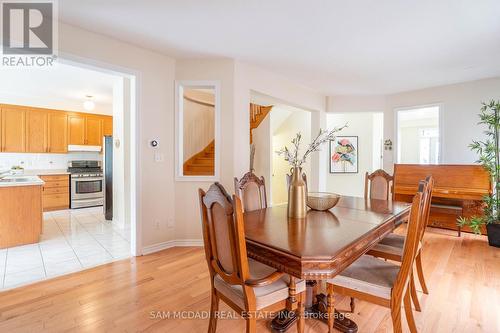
87 179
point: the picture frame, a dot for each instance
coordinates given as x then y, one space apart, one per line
344 154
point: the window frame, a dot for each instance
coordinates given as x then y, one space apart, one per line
397 110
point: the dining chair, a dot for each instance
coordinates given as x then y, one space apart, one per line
378 185
382 282
246 285
252 191
391 247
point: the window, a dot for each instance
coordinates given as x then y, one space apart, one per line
418 135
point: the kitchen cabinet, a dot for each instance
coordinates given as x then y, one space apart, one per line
57 132
55 192
93 130
76 129
20 215
36 131
13 125
107 128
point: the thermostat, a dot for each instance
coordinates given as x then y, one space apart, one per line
154 143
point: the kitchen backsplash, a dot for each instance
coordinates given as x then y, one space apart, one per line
44 161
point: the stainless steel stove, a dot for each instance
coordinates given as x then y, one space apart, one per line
87 184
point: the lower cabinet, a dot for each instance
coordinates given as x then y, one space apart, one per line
55 192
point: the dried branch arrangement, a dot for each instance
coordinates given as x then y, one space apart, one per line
292 155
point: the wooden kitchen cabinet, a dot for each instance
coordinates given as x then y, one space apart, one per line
55 192
76 129
57 132
36 131
93 130
13 125
107 125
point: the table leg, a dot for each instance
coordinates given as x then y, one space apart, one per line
318 310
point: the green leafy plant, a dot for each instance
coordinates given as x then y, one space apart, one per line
489 157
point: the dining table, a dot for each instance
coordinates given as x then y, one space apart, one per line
319 246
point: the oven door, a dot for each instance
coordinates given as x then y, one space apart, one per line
87 188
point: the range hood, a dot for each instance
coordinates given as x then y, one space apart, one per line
84 148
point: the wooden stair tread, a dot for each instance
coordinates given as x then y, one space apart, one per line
201 163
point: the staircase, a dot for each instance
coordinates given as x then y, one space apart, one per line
257 114
202 163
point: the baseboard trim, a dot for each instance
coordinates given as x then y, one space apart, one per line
169 244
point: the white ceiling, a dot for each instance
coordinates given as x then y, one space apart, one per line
333 46
60 87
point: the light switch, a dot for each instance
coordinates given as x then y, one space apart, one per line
158 157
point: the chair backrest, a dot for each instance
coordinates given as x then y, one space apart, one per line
252 191
224 235
411 242
378 185
427 198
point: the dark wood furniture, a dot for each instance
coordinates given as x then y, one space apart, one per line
378 185
245 285
251 190
323 244
381 282
458 190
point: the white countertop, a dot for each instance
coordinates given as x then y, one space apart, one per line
21 180
45 172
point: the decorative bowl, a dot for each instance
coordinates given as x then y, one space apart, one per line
322 200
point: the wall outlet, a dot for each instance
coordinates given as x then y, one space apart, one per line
170 223
157 224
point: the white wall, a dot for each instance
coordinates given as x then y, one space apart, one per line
366 126
31 161
297 121
155 105
460 106
187 214
249 79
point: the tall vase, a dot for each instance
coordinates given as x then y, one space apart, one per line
297 195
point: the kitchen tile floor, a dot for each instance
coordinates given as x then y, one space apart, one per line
72 240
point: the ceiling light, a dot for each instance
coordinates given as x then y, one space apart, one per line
89 104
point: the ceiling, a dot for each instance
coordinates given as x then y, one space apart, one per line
60 87
333 46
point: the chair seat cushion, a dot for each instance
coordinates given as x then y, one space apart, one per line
394 240
368 275
266 295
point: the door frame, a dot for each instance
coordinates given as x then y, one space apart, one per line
134 143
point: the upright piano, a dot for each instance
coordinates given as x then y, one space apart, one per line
458 190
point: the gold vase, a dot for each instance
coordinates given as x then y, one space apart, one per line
297 195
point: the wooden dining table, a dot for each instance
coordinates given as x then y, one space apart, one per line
321 245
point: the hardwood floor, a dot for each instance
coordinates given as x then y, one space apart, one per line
463 275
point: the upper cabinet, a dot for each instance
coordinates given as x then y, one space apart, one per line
93 130
36 130
107 126
13 129
76 129
58 132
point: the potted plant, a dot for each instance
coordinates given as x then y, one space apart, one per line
489 157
